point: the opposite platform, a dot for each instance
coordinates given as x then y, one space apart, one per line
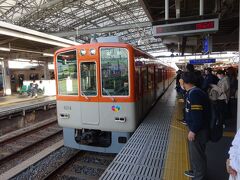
24 105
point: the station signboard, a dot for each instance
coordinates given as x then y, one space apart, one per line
189 27
205 45
202 61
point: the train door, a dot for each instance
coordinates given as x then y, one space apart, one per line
89 93
144 89
138 90
155 82
163 78
1 81
159 81
168 77
151 85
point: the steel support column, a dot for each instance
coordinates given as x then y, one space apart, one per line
177 5
238 98
6 80
201 7
46 71
166 9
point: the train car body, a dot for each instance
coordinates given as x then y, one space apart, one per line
103 92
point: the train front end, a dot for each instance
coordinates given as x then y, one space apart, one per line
95 96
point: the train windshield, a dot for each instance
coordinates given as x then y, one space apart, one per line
88 78
114 71
67 73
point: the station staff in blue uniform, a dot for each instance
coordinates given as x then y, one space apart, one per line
197 111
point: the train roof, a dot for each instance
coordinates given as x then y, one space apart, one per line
113 44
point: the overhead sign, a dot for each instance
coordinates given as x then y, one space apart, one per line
190 27
205 45
201 61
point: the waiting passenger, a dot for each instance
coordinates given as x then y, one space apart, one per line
20 80
40 88
197 118
224 94
190 68
198 75
232 75
34 89
178 77
208 79
198 82
232 104
233 163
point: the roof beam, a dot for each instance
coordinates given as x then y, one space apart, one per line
42 7
44 11
103 29
8 40
154 49
28 34
110 10
145 8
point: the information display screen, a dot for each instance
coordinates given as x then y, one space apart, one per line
190 27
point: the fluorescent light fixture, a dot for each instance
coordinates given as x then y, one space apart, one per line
4 49
22 60
48 54
23 64
51 66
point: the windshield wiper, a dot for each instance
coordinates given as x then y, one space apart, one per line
108 93
84 95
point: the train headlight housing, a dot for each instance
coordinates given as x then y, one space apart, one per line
92 51
83 52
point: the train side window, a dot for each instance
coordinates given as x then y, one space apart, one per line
67 73
88 78
114 71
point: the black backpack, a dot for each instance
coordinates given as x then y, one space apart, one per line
216 126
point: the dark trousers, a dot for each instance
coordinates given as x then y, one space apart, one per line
197 155
222 110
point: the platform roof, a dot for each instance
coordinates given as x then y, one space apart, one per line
79 20
226 39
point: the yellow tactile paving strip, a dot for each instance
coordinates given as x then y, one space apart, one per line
228 134
177 159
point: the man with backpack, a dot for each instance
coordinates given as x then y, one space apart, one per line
197 112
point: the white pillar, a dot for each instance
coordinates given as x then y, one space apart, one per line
166 9
238 98
46 71
201 7
6 78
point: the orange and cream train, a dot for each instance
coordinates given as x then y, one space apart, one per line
103 92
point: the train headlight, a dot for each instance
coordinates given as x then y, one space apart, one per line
92 51
83 52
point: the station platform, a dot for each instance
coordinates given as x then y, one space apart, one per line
15 103
16 98
159 147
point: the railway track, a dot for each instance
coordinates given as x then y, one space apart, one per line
38 153
20 146
83 165
64 163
